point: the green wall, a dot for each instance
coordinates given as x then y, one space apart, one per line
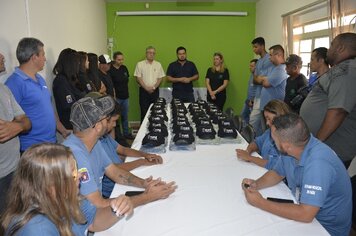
201 35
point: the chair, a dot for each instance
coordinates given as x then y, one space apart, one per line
352 167
248 133
229 112
238 123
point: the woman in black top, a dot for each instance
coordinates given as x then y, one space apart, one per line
66 86
93 73
84 81
216 80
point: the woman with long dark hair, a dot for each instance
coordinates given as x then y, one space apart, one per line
84 81
93 73
66 85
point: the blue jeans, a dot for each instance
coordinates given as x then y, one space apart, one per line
245 114
256 121
124 106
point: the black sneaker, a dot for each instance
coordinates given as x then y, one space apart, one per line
129 136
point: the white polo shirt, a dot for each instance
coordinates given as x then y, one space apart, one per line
149 72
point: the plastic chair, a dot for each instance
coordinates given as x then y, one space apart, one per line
237 120
248 133
229 112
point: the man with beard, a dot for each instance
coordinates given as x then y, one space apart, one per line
182 73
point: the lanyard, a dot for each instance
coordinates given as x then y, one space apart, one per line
298 178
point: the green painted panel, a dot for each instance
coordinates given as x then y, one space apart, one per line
201 35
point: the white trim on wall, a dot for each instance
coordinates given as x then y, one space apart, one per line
180 13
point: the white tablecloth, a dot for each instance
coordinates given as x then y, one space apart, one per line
209 200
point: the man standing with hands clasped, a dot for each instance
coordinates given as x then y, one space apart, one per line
182 73
149 74
315 175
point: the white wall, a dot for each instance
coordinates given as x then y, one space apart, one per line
78 24
269 18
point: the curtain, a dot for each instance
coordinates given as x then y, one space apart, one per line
336 15
338 10
287 35
298 17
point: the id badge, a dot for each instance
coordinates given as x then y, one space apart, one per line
297 194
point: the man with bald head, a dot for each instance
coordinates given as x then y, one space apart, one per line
330 108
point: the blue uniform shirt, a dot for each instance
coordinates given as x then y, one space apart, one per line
268 149
35 99
278 79
91 165
251 89
110 146
40 225
263 67
323 182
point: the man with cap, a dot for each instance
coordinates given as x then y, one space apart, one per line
295 81
117 153
104 67
89 118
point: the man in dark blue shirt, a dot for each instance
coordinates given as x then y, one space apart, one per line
181 73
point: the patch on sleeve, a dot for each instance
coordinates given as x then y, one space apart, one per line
69 99
89 87
312 189
85 177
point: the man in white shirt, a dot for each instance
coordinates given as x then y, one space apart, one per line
13 121
149 74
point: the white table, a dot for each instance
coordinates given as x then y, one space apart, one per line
209 200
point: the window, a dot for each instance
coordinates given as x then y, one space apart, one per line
304 48
309 36
310 28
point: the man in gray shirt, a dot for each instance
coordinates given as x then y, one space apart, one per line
330 108
12 122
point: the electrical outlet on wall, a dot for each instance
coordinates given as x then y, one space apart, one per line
110 42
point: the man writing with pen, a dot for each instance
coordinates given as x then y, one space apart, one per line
315 175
